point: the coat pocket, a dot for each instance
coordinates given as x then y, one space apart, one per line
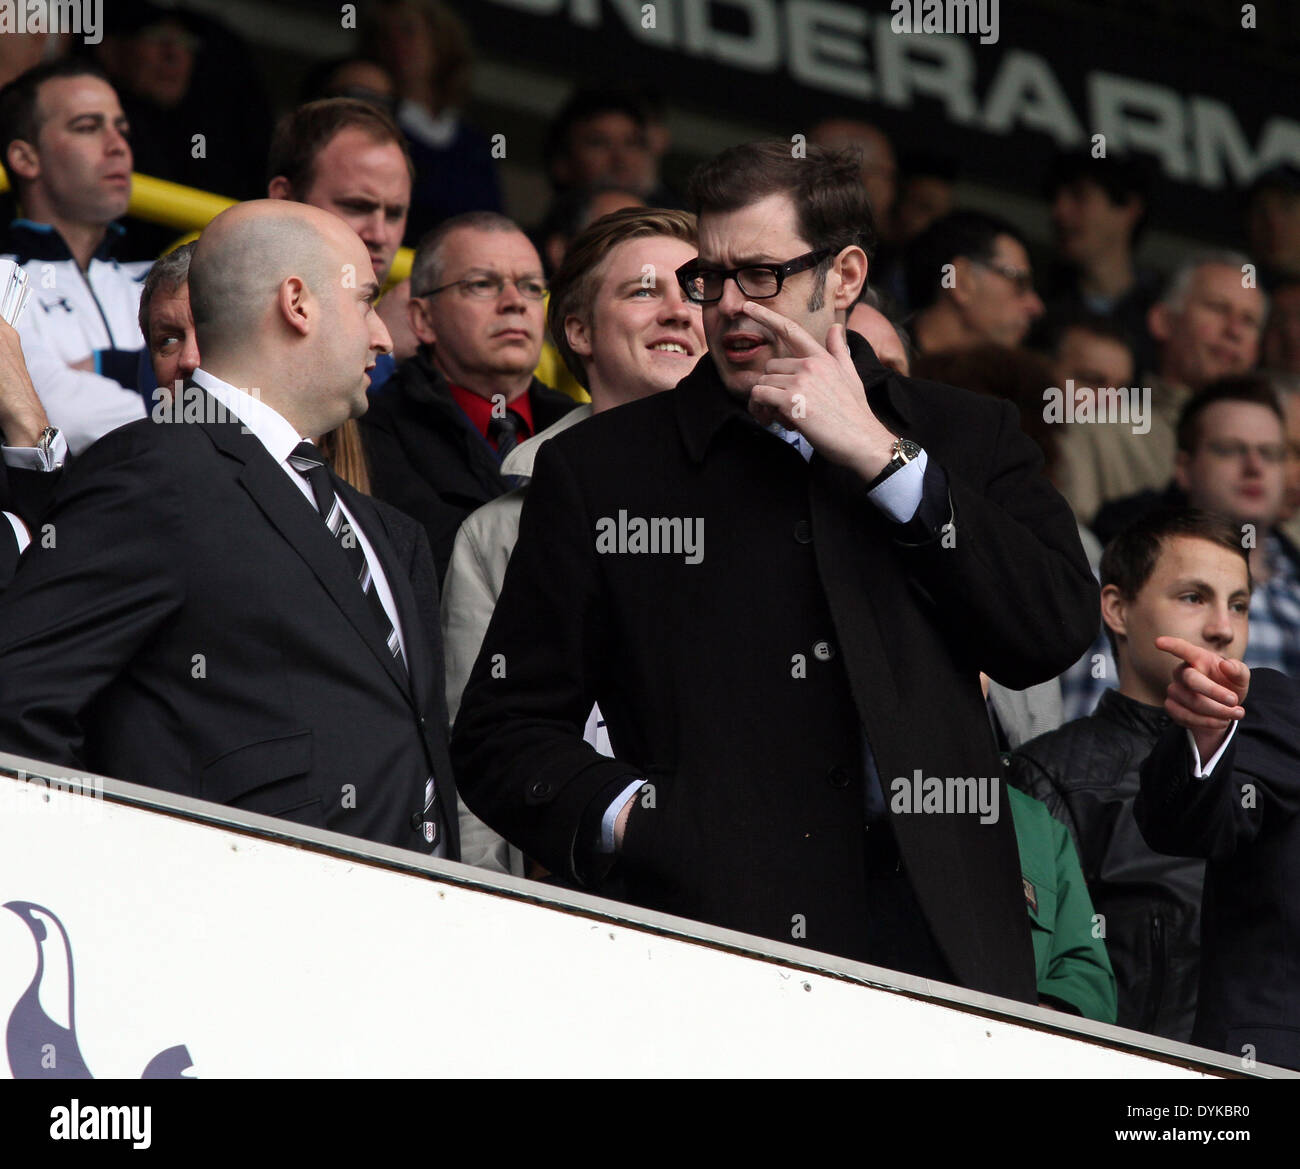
272 776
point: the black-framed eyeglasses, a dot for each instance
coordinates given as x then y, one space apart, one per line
757 281
1022 278
489 287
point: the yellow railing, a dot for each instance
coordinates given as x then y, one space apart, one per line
189 210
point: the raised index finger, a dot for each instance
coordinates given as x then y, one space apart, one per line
1194 655
798 340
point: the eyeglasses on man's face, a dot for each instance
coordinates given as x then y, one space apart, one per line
756 281
1022 278
489 286
1272 453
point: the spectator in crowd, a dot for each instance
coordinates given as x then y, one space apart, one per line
888 339
426 48
1207 324
319 694
354 77
457 408
1231 461
876 159
655 189
694 655
168 327
1281 342
1176 572
1221 785
926 192
1073 970
599 136
167 64
1088 351
65 149
166 321
1099 207
1288 390
571 213
1273 224
623 339
32 454
347 157
969 282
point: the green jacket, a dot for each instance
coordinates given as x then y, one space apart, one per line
1072 966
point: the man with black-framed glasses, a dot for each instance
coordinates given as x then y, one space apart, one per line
780 580
969 282
436 436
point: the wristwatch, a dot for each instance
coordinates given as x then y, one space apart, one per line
44 445
904 451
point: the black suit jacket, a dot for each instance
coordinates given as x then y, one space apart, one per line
196 628
1243 820
27 494
426 458
742 685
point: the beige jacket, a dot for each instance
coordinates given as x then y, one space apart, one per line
1102 461
469 594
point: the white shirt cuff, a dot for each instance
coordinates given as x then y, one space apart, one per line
32 458
900 495
612 813
1199 772
21 534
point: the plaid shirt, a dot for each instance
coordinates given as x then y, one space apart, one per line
1274 634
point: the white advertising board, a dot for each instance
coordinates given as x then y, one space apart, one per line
134 939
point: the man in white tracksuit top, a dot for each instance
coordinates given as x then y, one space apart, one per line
64 147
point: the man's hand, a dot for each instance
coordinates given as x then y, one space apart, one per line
818 392
1206 693
22 417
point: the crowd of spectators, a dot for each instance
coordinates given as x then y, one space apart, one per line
1162 407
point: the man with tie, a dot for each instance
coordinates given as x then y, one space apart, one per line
435 436
218 615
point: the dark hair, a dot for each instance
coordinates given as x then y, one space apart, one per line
1251 387
969 234
1131 557
1015 375
19 120
570 210
1120 178
169 272
1050 331
303 133
573 289
316 85
831 207
582 105
922 164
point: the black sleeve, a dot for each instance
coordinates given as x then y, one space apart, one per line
521 762
1255 786
1009 577
83 601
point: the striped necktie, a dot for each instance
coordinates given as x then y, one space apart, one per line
307 460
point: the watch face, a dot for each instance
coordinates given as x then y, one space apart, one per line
909 448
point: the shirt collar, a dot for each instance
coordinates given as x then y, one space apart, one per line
479 410
41 241
269 427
